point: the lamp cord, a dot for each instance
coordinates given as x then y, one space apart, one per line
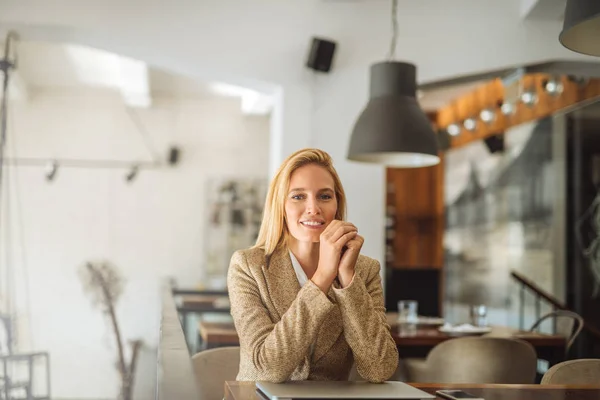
394 40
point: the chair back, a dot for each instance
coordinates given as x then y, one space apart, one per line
213 367
482 360
570 330
574 372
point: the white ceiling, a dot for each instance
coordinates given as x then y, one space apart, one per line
57 65
65 66
62 65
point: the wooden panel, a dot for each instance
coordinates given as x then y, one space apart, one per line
491 95
417 201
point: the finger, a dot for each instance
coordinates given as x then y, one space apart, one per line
345 239
332 232
341 231
332 227
356 242
349 224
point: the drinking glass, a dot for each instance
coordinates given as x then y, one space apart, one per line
408 315
479 315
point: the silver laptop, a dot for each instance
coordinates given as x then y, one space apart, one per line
340 390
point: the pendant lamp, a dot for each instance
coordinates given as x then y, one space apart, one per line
581 27
393 129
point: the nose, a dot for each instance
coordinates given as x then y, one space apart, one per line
312 206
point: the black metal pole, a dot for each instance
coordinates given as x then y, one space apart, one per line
522 308
5 66
577 159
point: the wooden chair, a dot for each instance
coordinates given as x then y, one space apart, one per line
476 360
574 372
570 330
214 367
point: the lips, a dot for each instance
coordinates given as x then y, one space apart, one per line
312 223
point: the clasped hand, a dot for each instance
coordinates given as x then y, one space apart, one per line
340 246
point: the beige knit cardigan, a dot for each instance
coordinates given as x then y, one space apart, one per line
292 333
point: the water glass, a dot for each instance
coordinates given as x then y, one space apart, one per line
408 315
479 315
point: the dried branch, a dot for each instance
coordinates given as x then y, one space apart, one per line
104 285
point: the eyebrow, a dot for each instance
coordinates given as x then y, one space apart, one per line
302 189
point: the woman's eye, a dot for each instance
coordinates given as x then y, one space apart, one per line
297 197
326 196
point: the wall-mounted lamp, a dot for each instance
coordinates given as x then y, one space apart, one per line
529 97
453 129
487 115
508 108
51 170
470 124
132 173
554 87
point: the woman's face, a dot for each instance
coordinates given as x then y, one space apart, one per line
310 205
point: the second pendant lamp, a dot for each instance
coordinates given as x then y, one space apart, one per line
581 28
393 129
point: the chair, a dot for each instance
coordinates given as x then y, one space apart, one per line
574 372
476 360
10 387
570 330
214 367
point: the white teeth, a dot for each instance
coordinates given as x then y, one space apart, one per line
312 223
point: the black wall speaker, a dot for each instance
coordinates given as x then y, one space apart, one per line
173 155
320 56
495 143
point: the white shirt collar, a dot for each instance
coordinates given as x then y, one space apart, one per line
300 274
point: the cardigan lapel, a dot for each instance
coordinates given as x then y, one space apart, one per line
281 280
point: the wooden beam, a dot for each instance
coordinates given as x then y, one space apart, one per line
491 95
415 204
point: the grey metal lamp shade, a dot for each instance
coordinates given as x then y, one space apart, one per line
392 129
581 28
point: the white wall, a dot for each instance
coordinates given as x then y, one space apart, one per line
263 44
150 228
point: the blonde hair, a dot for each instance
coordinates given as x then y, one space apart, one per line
273 229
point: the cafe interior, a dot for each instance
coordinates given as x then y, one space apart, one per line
138 141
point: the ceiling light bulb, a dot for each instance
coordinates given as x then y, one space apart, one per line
453 129
470 124
554 87
487 115
529 98
507 108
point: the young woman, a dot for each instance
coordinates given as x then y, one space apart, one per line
305 303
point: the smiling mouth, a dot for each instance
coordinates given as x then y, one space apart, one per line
312 224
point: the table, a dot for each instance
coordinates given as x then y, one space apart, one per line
247 391
216 334
197 303
418 344
205 303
